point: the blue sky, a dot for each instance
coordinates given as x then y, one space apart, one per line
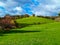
38 7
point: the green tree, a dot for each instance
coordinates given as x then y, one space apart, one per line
58 14
26 15
33 15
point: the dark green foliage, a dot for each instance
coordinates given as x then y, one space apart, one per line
33 15
26 15
58 14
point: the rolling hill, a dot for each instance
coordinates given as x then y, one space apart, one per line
39 34
34 20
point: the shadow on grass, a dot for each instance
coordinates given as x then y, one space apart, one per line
19 31
22 25
16 31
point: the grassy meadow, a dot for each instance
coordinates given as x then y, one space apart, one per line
33 31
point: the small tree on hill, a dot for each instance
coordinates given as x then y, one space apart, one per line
58 14
33 15
26 15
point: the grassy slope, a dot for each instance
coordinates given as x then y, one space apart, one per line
32 20
48 34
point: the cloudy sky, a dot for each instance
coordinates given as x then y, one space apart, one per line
38 7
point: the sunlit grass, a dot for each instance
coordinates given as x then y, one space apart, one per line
34 20
40 34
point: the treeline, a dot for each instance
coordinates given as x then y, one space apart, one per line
18 16
27 15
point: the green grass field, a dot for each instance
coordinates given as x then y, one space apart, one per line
34 20
39 34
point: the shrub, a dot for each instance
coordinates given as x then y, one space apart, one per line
7 23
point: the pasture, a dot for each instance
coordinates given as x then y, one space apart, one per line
35 31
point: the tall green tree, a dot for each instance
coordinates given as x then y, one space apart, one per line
58 14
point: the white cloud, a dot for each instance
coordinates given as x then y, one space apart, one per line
45 7
18 8
49 8
56 1
2 4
